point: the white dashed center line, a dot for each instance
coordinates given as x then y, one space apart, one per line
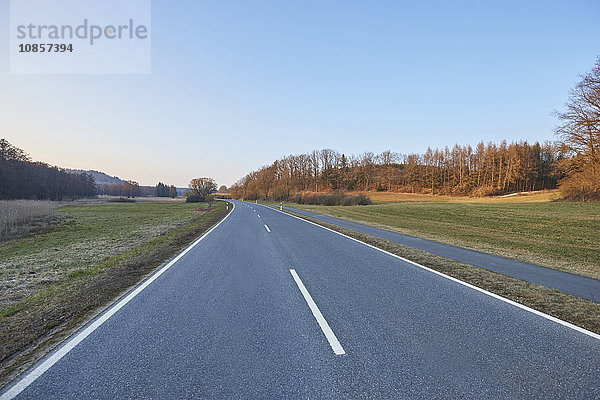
333 341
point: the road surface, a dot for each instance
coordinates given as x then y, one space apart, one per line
576 285
270 306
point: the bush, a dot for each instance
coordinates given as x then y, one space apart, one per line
331 199
194 198
279 194
582 186
297 198
484 191
363 200
122 200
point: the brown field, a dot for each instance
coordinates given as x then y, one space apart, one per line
523 197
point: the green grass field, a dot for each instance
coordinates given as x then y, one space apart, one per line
560 235
53 280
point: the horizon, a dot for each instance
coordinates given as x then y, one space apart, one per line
234 87
268 164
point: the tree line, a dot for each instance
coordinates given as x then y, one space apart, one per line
162 190
460 170
129 189
573 163
21 178
133 189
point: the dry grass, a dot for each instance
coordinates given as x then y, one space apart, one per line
523 197
165 200
103 199
19 217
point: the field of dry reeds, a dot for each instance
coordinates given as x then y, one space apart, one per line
18 217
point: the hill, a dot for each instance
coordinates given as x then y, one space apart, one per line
100 177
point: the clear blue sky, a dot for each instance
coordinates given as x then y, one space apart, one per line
238 84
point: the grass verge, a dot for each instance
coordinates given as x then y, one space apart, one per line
578 311
32 326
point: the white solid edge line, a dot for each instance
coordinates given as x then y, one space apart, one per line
79 337
331 338
514 303
267 228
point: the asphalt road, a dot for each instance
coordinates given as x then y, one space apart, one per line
576 285
232 318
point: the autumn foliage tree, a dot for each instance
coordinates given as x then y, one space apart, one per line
486 169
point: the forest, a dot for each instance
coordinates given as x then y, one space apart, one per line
21 178
462 170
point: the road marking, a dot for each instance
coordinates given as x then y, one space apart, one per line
333 341
267 228
78 338
494 295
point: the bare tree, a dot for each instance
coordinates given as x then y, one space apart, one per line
580 128
315 168
580 133
131 189
8 152
202 188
